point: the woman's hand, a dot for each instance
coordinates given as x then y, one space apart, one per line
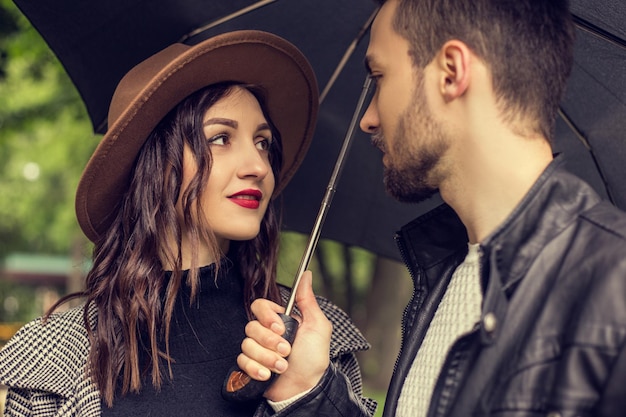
265 351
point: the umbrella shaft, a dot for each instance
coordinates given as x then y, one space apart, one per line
328 197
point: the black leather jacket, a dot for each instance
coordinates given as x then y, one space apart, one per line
554 280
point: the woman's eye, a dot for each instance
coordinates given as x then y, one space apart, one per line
220 139
263 143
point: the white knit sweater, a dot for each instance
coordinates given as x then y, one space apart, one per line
456 315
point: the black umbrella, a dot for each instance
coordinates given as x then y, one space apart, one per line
591 130
97 42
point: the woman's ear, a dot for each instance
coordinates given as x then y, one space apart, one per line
453 65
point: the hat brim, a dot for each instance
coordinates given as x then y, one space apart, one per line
251 57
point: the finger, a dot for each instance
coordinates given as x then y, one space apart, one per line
267 338
252 368
266 312
257 361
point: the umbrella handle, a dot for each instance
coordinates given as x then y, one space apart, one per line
239 387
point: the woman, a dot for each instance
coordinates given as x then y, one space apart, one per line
177 199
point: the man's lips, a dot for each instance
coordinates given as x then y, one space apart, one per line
247 198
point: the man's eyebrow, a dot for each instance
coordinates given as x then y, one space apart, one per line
221 121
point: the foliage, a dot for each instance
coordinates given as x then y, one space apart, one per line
340 273
45 141
18 303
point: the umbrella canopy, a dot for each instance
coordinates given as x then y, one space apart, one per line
98 42
591 130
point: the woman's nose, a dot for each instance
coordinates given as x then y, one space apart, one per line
254 162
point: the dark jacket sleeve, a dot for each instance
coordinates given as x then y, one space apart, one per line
613 401
333 396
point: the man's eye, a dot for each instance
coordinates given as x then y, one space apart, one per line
220 139
375 78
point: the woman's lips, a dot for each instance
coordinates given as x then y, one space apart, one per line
250 199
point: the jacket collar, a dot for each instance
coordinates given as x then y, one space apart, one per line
553 202
51 356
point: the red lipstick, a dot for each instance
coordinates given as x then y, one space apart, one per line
247 198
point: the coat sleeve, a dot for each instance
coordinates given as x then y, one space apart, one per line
613 401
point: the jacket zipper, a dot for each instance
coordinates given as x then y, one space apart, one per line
407 309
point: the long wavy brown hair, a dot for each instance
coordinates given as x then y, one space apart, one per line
127 283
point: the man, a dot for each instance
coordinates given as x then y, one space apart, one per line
519 306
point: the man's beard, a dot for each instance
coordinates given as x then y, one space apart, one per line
418 145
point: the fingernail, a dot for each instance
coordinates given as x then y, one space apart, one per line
276 328
264 374
283 348
281 365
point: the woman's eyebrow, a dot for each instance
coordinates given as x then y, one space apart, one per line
232 123
221 121
263 126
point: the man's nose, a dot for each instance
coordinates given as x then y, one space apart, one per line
369 121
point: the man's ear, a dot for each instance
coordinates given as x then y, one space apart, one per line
453 65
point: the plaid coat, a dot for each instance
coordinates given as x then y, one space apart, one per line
45 366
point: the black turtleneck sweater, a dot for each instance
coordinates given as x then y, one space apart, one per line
205 339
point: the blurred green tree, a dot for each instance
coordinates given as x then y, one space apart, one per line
45 141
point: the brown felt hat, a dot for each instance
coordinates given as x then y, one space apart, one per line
155 86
